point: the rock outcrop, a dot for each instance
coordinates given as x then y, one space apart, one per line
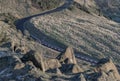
52 64
68 61
107 77
67 57
108 70
36 58
82 78
76 69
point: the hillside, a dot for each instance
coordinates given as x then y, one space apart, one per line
86 31
110 8
59 40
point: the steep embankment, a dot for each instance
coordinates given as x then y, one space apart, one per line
84 29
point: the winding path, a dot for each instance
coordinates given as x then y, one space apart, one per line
44 39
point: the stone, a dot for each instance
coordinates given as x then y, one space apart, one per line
76 69
36 58
103 77
82 78
111 76
58 71
107 65
19 66
107 77
52 64
67 57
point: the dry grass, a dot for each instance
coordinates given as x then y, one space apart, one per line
9 34
90 34
23 8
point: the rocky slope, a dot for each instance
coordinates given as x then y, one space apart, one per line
86 31
83 26
12 40
34 67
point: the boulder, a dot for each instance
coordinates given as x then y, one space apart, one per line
36 58
76 69
107 77
52 64
67 57
107 65
82 78
19 66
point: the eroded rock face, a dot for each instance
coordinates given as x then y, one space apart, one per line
108 70
67 57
